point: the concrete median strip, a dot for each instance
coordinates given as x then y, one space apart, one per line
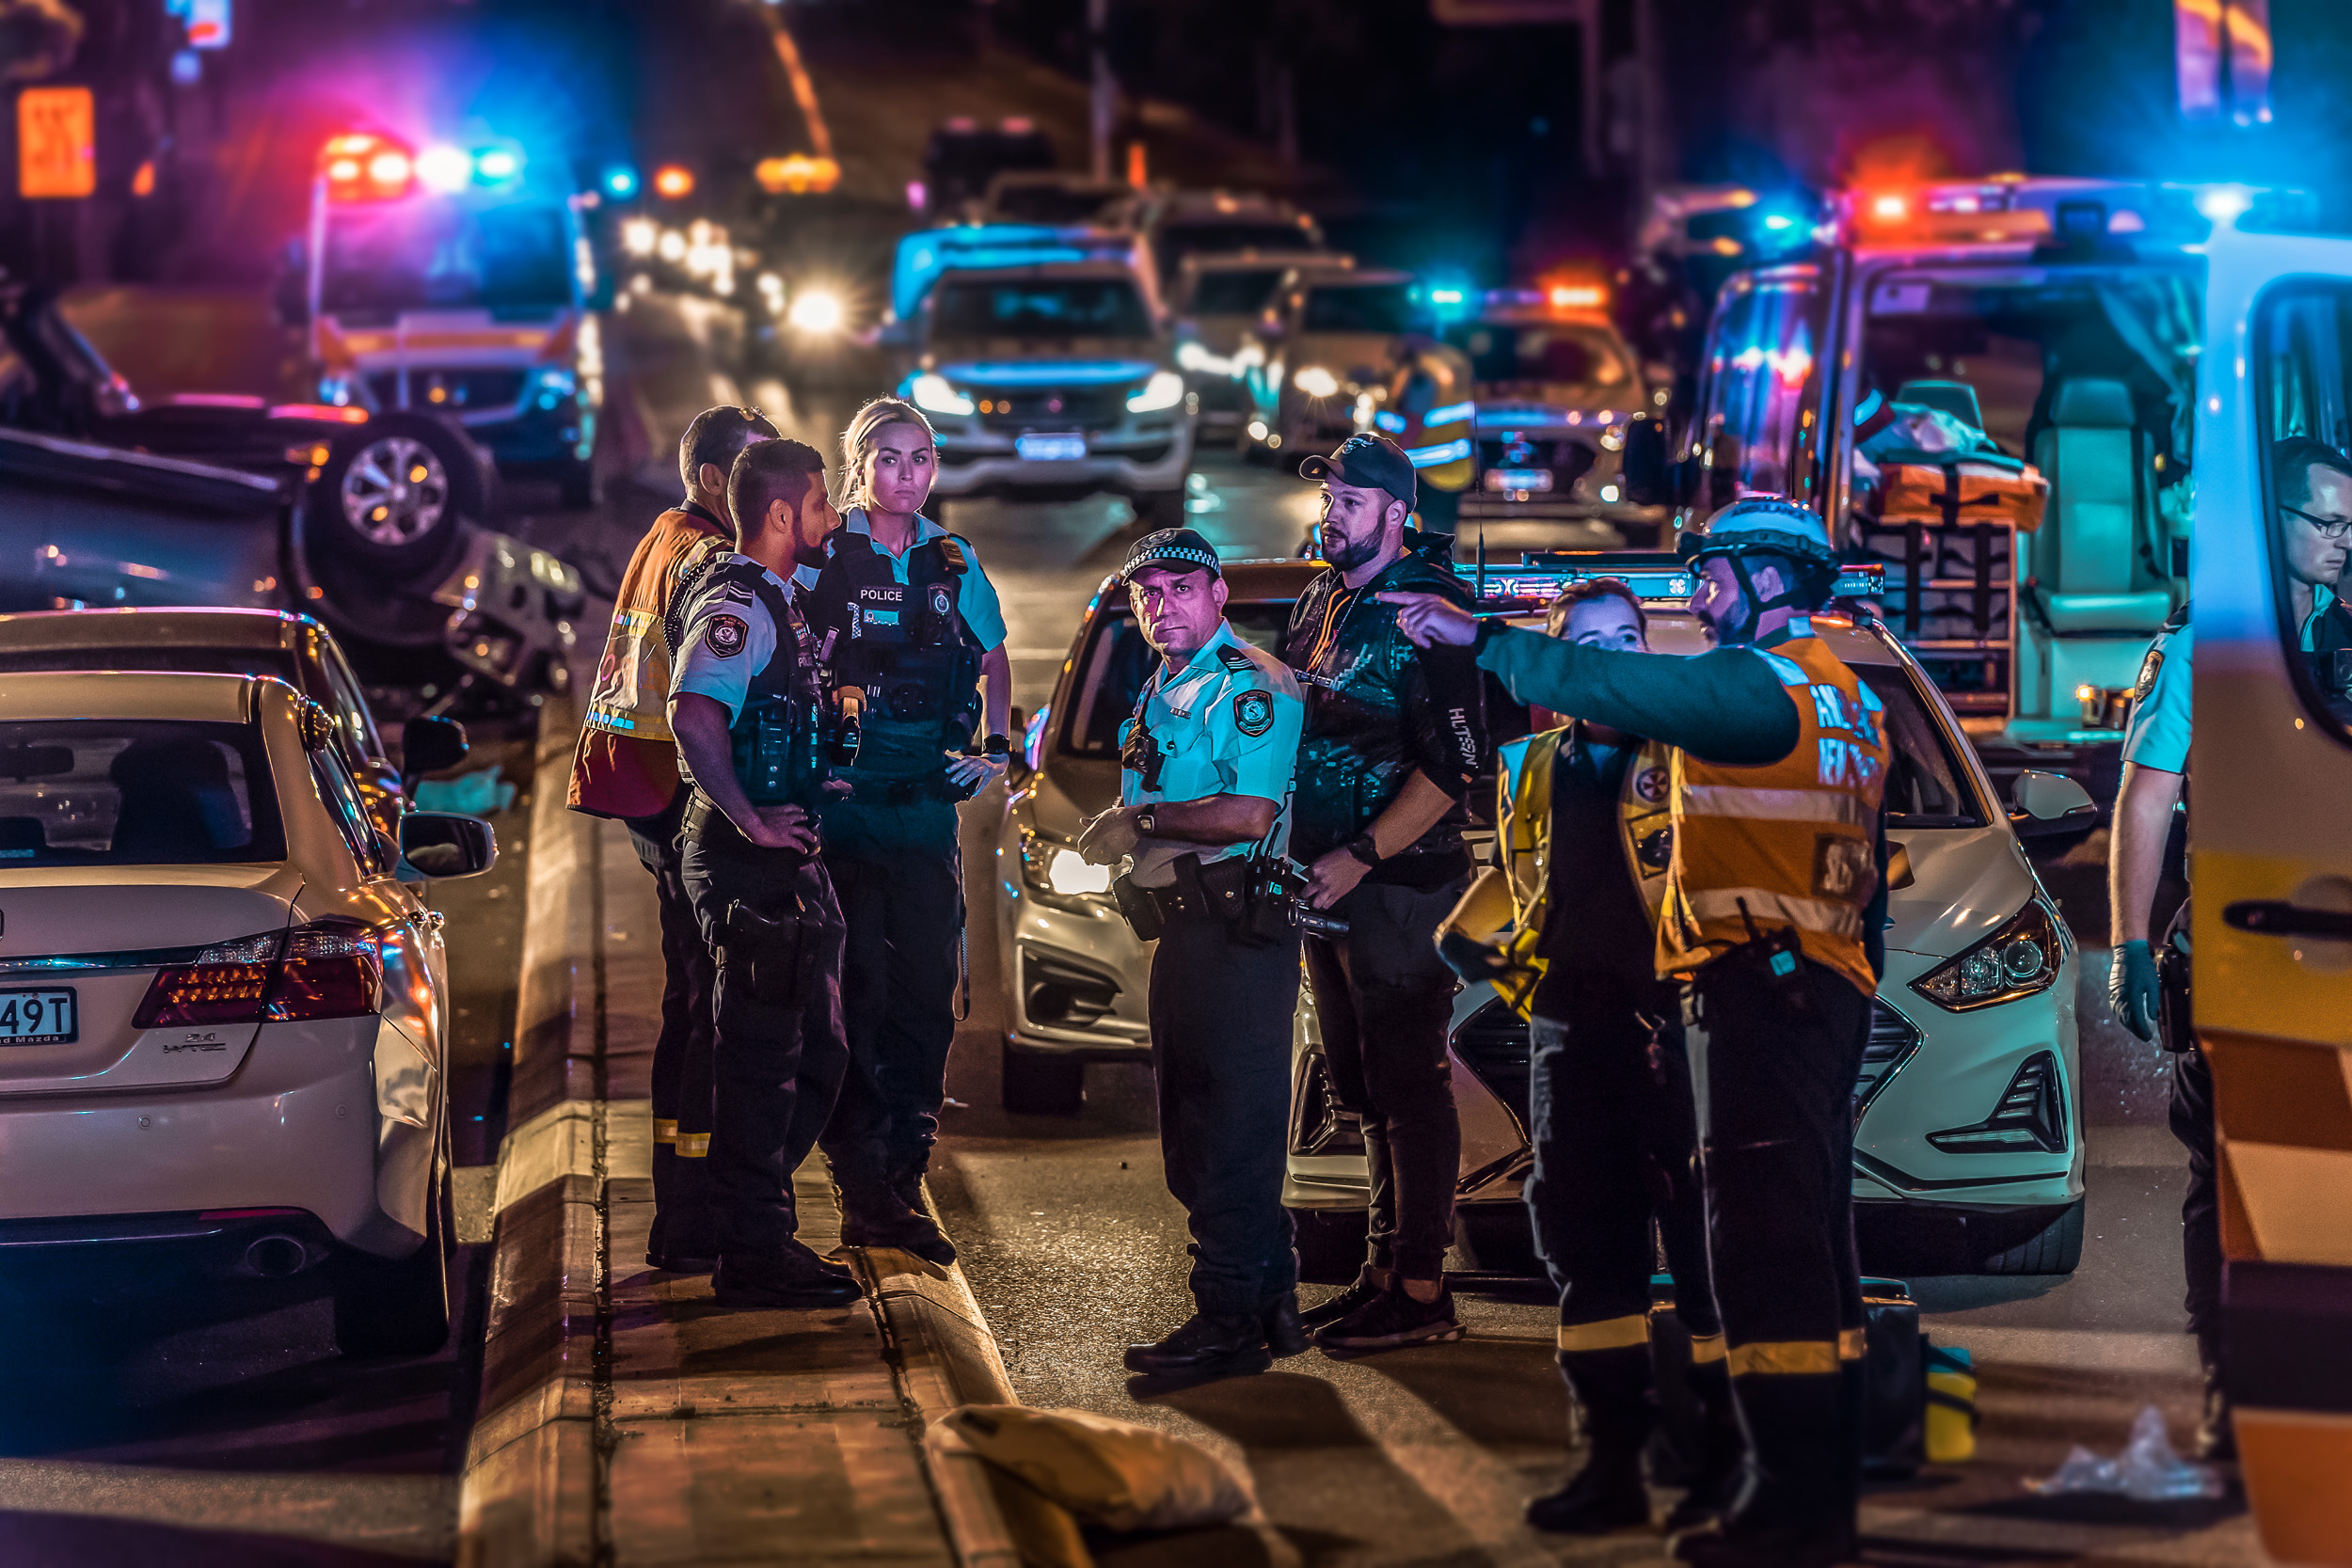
626 1418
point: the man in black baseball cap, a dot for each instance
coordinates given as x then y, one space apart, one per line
1394 734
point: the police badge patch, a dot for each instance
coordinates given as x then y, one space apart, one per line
1253 712
2148 668
725 635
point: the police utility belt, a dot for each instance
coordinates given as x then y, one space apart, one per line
1256 898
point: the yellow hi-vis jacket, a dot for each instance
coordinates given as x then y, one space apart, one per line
1505 908
1795 841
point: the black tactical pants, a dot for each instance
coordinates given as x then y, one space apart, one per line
1772 1081
1221 1015
2191 1116
778 1053
681 1057
905 917
1384 1000
1617 1144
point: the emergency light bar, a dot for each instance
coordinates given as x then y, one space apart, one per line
926 254
1655 577
2016 209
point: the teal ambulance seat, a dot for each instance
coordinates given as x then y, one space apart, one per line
2087 553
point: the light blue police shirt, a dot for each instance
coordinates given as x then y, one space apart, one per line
2157 734
1227 723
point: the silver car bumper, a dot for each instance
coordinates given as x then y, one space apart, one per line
1133 458
1078 979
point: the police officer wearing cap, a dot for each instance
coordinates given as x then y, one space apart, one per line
743 705
1771 920
910 629
1394 736
1204 792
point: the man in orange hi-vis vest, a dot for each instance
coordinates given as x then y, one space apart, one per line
1773 911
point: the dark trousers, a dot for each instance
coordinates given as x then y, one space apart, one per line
1221 1015
2192 1114
1616 1146
778 1052
681 1057
1773 1085
905 918
1384 1000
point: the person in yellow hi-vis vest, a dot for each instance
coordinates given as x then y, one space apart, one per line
1771 919
1564 928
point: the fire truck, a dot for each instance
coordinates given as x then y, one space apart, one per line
455 281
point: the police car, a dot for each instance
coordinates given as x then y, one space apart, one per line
1320 349
1968 1153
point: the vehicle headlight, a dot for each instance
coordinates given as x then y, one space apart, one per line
1316 382
2019 959
1166 390
935 394
1050 865
1192 355
819 310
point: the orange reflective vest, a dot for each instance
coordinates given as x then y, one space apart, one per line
626 762
1794 841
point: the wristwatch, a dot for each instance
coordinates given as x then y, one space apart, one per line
994 746
1363 849
1146 824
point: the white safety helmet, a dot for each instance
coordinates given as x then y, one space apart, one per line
1756 525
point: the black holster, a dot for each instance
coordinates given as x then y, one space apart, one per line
2176 1028
776 954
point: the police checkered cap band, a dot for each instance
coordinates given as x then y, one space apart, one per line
1163 546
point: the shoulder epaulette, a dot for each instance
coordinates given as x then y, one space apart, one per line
1234 659
951 548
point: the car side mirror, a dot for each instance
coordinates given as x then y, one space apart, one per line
1648 473
441 844
429 743
2048 804
1017 768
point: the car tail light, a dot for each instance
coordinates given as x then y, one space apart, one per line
327 969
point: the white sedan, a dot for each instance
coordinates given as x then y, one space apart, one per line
223 1014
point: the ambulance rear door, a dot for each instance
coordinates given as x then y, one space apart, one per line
2271 871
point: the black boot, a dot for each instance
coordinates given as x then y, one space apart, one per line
1209 1345
1722 1446
873 1214
680 1247
792 1276
2217 1429
1796 1506
1613 1388
1279 1319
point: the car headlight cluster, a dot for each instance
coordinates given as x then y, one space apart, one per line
1166 390
2019 959
1316 382
935 393
1051 867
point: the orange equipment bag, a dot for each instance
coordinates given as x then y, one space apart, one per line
1964 490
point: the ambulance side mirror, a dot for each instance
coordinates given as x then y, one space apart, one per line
1648 473
2049 804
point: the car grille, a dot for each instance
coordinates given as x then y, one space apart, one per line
1319 1124
458 388
1052 408
1493 1043
1893 1038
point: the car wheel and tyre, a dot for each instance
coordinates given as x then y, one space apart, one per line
2056 1248
1042 1083
398 1305
393 492
1330 1244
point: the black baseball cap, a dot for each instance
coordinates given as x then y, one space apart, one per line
1368 462
1176 548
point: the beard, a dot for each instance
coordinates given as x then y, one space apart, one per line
1347 555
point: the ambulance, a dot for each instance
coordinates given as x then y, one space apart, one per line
456 282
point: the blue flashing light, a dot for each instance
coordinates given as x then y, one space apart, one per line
923 256
1048 373
1453 413
1440 454
1445 296
620 182
496 164
1392 422
1777 221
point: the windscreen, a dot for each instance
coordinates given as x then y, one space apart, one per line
1233 294
135 792
1569 355
1924 779
1173 242
1385 308
1047 307
192 660
430 255
1118 661
1051 203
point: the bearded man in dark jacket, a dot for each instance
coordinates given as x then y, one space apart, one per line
1394 736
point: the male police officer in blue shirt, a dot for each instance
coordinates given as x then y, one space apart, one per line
744 698
1205 792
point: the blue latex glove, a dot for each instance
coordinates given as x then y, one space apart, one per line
2131 988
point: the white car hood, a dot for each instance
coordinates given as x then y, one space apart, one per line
1965 881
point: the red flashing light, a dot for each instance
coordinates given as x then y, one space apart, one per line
674 182
360 166
1890 207
1578 296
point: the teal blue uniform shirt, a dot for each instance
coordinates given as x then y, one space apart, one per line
1227 723
976 596
2157 734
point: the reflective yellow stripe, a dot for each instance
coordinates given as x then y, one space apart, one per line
1852 1344
1607 1334
1770 805
693 1145
1768 908
664 1132
1706 1348
1785 1359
